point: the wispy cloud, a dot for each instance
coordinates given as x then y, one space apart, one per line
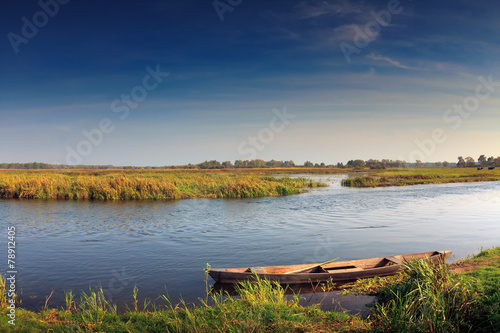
346 33
393 62
63 128
325 23
314 9
58 108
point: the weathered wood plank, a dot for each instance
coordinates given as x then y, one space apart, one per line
337 271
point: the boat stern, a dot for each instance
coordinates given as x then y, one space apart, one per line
445 254
215 274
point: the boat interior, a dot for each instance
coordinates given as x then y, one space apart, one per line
334 267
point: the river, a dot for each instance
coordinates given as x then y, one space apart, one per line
163 247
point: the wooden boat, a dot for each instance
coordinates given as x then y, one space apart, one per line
341 271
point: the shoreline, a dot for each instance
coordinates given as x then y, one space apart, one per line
262 306
422 176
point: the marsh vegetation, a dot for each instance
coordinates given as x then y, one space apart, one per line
416 176
145 185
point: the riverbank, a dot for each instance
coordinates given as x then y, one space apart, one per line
463 296
445 298
146 184
417 176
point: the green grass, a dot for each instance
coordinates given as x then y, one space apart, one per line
157 185
430 299
487 277
372 286
3 292
416 176
260 307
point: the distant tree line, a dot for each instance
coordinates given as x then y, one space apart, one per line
482 161
245 164
38 165
373 164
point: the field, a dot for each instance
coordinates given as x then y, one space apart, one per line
415 176
146 184
424 298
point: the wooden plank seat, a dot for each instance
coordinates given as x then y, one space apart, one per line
394 260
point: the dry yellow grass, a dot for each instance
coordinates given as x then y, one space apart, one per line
415 176
147 184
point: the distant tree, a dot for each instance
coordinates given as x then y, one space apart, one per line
259 163
490 161
228 165
358 163
376 164
210 165
497 161
308 164
418 163
274 164
461 162
469 161
438 164
340 165
263 164
445 164
482 160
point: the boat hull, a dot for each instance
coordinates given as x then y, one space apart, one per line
336 272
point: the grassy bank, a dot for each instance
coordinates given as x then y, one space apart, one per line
425 298
415 176
261 307
141 185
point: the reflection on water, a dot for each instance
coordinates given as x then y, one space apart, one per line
327 297
335 301
65 245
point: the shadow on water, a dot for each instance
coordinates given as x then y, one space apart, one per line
327 297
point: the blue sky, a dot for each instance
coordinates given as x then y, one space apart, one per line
422 83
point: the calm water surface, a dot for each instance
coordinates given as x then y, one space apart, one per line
164 246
